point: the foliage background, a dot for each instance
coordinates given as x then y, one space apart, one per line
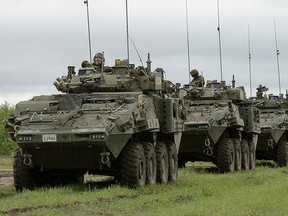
7 146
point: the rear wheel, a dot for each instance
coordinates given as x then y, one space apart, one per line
245 154
252 155
162 163
133 166
151 164
238 154
173 161
282 153
226 155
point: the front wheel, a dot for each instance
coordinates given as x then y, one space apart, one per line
282 153
21 173
133 166
226 155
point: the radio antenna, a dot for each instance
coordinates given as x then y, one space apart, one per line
88 22
188 43
127 31
140 59
219 36
250 73
277 57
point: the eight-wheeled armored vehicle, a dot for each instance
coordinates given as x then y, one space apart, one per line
127 122
122 123
272 142
219 127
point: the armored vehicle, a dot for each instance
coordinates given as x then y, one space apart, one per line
219 127
123 123
272 142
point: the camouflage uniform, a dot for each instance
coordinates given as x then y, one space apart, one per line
260 90
86 64
98 63
198 80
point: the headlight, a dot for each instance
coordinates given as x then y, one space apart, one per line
25 138
98 136
203 126
266 130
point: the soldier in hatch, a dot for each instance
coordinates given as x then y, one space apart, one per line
86 64
260 90
98 63
98 60
198 80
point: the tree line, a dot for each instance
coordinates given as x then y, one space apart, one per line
7 146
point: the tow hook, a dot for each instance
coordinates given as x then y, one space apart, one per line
27 160
105 159
207 147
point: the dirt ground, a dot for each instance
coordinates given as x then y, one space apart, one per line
6 177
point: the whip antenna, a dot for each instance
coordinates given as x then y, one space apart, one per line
277 57
220 49
89 38
127 31
250 73
188 43
136 50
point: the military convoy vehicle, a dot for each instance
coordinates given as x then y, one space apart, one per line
219 127
272 142
123 123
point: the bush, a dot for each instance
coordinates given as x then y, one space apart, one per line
7 146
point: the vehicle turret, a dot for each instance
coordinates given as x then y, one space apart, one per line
215 90
121 77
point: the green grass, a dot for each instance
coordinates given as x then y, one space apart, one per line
198 191
6 162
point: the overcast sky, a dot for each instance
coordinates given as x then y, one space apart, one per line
40 38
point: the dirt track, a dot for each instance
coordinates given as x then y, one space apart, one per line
6 177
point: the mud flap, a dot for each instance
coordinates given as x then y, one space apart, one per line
177 140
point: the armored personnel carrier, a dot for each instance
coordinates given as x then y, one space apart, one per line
219 127
272 142
122 123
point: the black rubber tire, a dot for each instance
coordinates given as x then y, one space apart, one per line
238 154
151 163
226 155
173 162
282 153
162 162
133 166
252 155
21 173
245 154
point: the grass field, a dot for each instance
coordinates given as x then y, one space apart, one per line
6 162
198 191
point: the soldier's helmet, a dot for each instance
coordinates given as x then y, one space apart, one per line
99 55
85 64
194 73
